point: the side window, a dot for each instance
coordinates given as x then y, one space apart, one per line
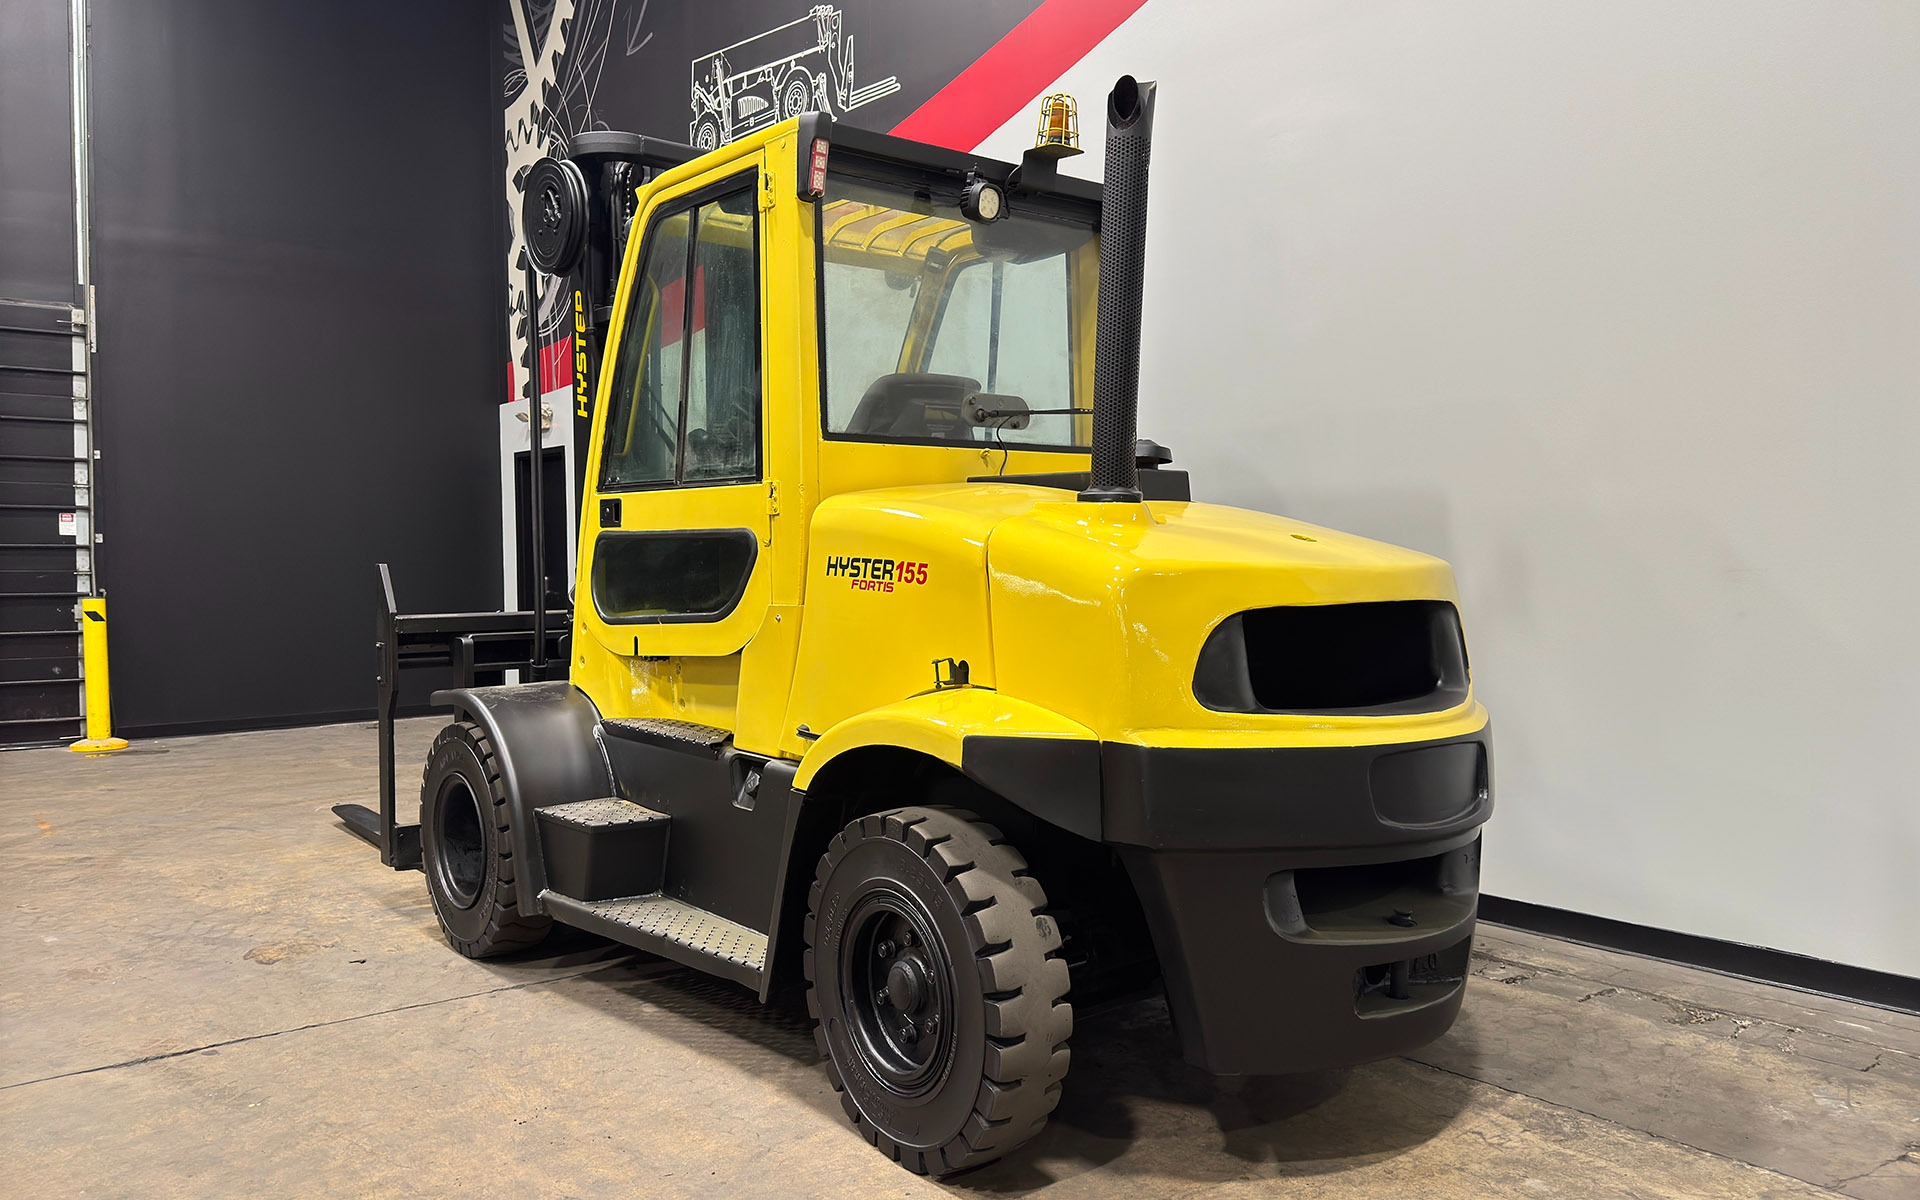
723 386
643 416
685 405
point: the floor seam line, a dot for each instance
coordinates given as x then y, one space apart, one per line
1687 966
1872 1170
1665 998
258 1037
1658 1137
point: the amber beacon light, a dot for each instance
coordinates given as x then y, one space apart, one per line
1059 123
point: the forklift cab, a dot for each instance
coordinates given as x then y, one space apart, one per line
769 350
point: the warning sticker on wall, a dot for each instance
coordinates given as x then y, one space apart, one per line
69 525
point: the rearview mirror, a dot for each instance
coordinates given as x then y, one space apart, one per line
996 411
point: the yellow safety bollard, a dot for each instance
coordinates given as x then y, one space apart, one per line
93 658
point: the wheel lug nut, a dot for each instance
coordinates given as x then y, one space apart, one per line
910 1035
933 1024
886 949
906 938
883 996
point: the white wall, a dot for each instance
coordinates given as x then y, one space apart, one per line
1616 305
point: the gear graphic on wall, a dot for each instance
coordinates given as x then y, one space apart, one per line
557 52
532 131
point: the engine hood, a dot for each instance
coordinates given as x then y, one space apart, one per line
1282 560
1100 610
1096 612
1158 536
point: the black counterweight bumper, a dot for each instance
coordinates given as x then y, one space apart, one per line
1310 907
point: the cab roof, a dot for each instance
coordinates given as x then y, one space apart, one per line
852 150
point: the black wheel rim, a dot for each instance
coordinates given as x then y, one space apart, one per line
899 992
461 847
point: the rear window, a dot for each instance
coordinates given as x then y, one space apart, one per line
923 311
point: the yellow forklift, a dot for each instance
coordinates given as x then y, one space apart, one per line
897 666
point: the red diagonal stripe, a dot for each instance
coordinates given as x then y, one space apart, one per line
1011 73
556 365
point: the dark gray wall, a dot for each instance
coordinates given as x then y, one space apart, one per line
36 196
297 229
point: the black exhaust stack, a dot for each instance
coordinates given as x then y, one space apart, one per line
1123 263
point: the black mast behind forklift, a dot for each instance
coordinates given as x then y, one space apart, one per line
898 666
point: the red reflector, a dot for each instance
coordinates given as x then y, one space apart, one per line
817 172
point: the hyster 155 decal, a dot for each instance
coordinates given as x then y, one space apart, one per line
875 574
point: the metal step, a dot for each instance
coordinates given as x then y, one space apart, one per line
670 928
41 700
670 735
24 615
610 812
16 668
20 734
27 404
33 420
43 582
603 849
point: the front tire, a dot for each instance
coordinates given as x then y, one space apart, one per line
935 978
467 848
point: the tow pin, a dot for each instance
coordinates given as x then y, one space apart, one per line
1403 917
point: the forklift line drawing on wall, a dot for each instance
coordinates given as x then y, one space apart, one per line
802 66
899 670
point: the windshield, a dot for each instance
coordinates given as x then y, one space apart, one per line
941 329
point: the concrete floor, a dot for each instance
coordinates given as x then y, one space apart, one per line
207 988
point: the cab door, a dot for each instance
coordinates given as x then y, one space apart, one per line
675 577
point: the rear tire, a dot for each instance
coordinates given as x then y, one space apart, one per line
467 848
935 980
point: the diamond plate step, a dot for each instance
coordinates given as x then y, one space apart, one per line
670 928
609 812
672 735
600 849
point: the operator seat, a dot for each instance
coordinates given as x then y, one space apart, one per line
726 448
915 405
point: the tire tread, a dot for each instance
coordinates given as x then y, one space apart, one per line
1015 947
506 930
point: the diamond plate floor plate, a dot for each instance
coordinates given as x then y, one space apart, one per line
604 813
669 927
675 735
